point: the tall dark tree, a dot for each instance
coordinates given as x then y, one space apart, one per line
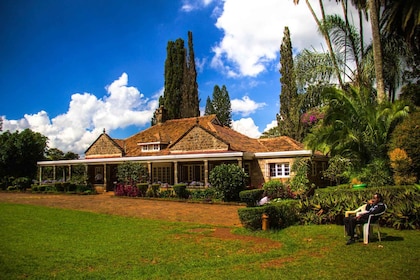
180 96
221 105
20 152
288 119
209 110
190 104
174 75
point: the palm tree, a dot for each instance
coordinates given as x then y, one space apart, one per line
402 18
355 125
377 49
326 36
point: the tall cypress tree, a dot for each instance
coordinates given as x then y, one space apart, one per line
190 101
180 96
288 119
174 73
221 105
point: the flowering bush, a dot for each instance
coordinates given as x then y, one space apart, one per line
126 190
311 117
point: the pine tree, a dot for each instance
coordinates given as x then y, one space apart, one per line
288 119
190 101
209 107
221 105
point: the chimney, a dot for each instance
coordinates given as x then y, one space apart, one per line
160 114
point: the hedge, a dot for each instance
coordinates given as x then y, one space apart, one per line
280 215
328 206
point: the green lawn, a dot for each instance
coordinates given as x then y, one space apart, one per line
44 243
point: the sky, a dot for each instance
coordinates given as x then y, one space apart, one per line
70 69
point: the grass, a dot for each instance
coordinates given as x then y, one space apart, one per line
45 243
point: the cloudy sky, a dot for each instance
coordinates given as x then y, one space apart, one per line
70 69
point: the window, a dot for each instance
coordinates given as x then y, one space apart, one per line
150 148
279 170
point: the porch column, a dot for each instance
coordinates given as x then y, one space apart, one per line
105 177
54 172
69 172
149 172
40 174
206 173
240 162
175 172
86 172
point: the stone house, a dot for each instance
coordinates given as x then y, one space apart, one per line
186 150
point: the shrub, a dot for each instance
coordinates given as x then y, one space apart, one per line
251 197
406 136
300 184
142 187
337 168
22 183
181 191
131 173
401 165
228 180
376 173
280 215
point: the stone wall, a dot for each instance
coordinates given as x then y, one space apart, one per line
103 147
199 139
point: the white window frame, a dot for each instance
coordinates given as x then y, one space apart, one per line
279 169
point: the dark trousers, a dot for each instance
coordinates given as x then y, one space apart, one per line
351 222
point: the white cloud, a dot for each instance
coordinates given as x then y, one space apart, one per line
191 5
247 127
245 106
271 125
87 116
253 31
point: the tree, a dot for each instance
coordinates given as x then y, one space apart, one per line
229 180
20 152
221 105
355 125
209 110
180 96
174 75
402 18
326 37
377 49
190 102
288 119
130 173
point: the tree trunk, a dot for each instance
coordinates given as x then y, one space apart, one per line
377 51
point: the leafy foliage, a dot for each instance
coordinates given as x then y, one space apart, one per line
401 165
300 182
229 180
276 189
406 136
20 152
337 167
131 173
251 197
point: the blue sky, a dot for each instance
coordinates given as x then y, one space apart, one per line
69 69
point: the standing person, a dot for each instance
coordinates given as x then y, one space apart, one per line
374 206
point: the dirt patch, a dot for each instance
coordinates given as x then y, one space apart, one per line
223 217
211 214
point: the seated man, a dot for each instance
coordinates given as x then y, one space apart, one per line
374 206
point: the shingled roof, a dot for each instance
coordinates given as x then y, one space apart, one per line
171 131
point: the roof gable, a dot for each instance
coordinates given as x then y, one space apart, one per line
104 146
197 138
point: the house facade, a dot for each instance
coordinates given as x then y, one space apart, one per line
186 150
